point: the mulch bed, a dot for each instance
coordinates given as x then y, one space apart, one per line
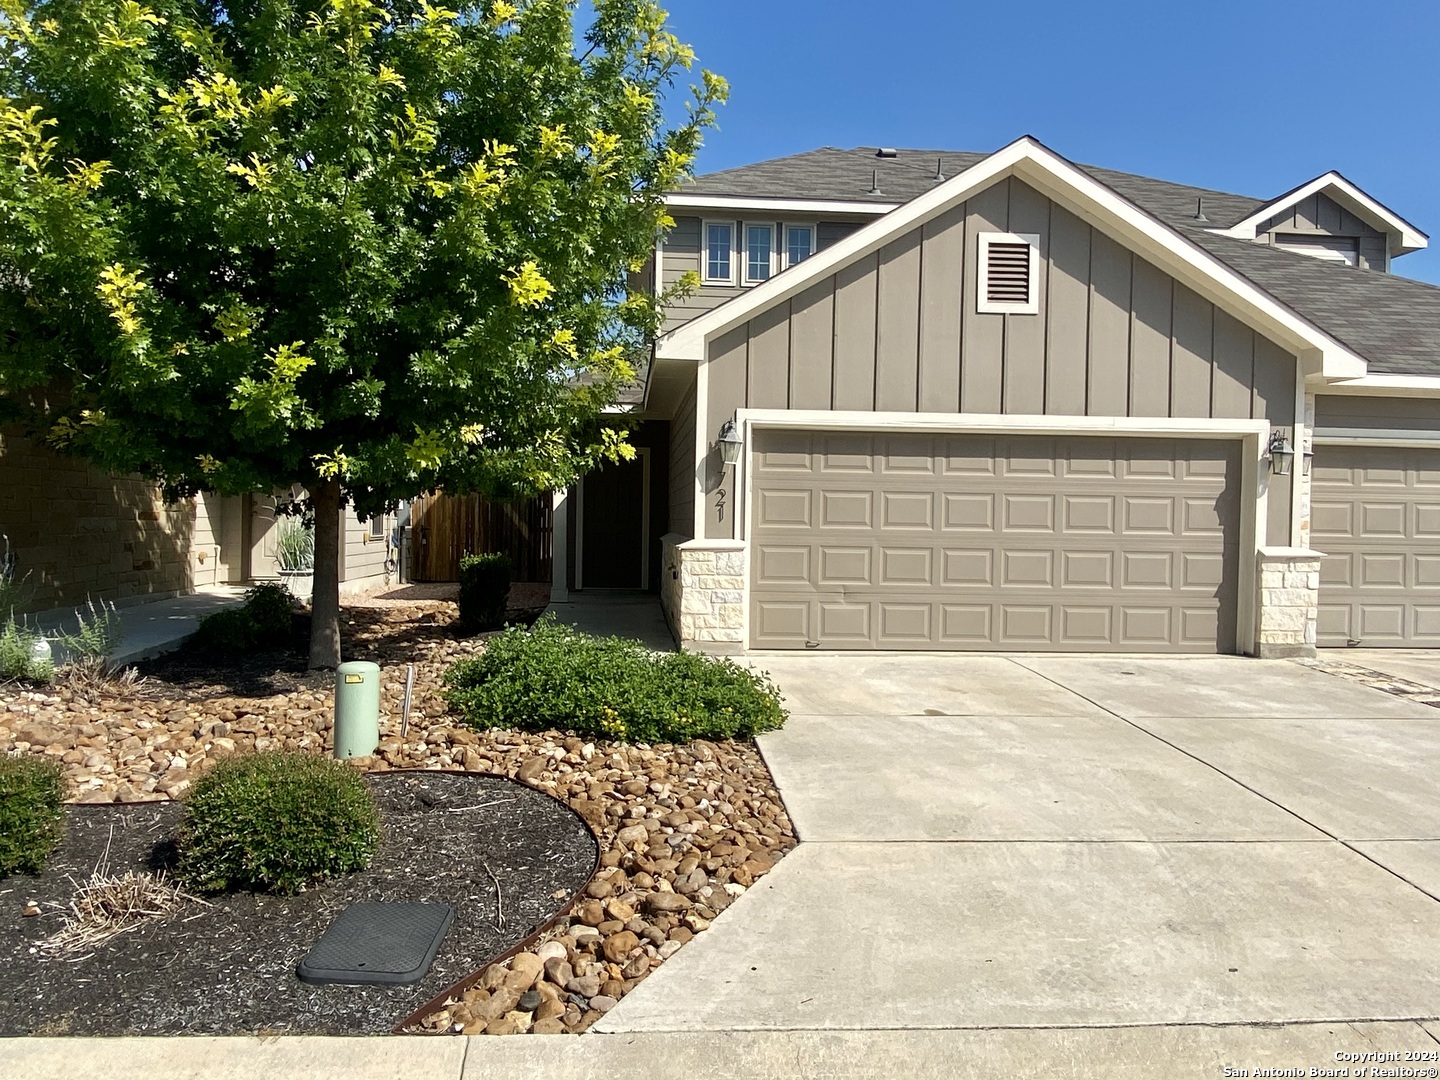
229 968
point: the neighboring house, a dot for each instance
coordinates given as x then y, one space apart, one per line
1007 402
75 532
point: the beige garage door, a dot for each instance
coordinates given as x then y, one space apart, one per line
1375 513
871 541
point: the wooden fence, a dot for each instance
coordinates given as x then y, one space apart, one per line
446 527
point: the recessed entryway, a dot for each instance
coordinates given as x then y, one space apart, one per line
614 510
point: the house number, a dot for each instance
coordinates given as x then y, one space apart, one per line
720 505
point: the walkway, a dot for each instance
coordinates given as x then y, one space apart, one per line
153 627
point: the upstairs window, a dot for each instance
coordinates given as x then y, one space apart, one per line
1009 274
719 252
759 253
799 243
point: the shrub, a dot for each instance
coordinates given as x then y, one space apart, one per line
264 618
17 653
554 677
484 589
294 544
31 790
275 822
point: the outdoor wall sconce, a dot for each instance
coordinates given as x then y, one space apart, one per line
1282 454
730 443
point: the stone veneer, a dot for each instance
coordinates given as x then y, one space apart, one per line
1288 580
703 593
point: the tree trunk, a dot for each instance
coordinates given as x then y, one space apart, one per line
325 603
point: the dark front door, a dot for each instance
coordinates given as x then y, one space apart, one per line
613 524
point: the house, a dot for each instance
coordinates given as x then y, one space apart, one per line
74 531
1003 401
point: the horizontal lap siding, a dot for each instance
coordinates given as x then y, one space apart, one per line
1115 336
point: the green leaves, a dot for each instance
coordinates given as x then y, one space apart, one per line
382 242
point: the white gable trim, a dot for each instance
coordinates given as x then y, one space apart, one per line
1045 170
1386 386
1404 237
779 206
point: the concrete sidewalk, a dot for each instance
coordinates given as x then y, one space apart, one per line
153 627
1176 1053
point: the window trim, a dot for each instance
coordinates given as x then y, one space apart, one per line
983 304
705 225
745 227
785 228
376 530
1309 244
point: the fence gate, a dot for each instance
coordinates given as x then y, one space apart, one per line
446 527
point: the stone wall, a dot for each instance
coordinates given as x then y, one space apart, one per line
1288 580
76 531
702 590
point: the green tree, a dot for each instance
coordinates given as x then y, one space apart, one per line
369 247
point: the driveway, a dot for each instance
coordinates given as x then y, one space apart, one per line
1079 842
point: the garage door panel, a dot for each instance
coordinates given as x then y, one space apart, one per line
1376 516
1014 542
907 510
845 565
847 509
969 512
784 509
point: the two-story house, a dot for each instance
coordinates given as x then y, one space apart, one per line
962 401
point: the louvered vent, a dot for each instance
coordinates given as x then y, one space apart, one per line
1007 273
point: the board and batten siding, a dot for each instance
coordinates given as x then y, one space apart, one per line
683 252
1320 215
682 466
898 331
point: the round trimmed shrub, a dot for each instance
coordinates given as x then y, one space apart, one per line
276 822
31 791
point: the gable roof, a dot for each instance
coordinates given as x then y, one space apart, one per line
1045 170
1392 322
1403 236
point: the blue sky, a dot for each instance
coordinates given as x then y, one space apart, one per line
1252 97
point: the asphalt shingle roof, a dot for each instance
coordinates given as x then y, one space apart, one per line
1392 321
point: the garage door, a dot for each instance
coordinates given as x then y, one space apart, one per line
889 541
1375 513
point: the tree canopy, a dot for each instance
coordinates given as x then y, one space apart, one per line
370 247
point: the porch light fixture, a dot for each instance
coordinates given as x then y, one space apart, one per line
1282 454
730 443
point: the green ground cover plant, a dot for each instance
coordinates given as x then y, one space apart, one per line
554 677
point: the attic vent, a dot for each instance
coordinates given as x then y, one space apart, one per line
1009 274
887 151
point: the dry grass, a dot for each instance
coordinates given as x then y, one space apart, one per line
109 905
91 677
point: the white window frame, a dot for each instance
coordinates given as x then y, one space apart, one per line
983 303
785 251
705 226
745 227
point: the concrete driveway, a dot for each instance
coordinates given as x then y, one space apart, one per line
1079 842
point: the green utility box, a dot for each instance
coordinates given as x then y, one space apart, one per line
357 709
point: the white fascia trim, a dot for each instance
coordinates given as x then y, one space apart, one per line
998 424
1355 200
1385 386
792 206
1042 168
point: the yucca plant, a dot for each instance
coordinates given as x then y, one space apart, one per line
294 545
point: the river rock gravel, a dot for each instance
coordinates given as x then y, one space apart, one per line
682 830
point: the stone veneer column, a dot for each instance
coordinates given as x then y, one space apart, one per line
1289 586
703 593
